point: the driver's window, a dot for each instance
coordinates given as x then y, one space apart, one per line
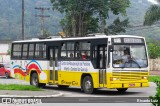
121 55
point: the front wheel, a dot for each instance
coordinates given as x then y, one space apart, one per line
87 85
122 90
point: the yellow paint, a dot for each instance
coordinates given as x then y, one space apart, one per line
74 79
47 79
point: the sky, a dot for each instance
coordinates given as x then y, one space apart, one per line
153 1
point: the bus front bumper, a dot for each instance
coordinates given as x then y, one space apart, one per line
129 85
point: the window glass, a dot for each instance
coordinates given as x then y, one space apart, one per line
64 50
129 56
31 50
40 50
25 50
17 50
67 50
83 50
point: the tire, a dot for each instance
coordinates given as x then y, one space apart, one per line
7 75
42 85
122 90
34 80
87 85
63 86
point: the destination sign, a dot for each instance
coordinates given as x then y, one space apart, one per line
128 40
132 40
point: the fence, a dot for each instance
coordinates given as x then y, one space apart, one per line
154 64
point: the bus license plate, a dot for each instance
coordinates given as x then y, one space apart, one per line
131 85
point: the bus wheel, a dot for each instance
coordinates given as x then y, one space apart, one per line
34 80
88 85
42 85
63 86
122 90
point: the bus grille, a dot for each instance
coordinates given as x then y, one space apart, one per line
129 76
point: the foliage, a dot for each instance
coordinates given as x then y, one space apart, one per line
156 99
117 26
10 19
154 50
46 34
82 17
18 87
152 15
8 52
154 78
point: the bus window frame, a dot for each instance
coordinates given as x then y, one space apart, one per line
74 58
144 44
14 57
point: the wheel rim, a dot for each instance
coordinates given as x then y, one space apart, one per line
35 81
88 85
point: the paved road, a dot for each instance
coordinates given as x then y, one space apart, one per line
3 80
76 92
132 92
112 95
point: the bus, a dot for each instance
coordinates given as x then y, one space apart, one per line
93 62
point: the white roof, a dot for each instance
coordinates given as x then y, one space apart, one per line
77 38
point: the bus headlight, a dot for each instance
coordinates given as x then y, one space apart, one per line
144 77
113 79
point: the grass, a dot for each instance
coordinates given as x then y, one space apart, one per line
154 78
19 87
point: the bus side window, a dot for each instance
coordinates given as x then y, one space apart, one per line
94 56
25 51
31 51
63 50
83 50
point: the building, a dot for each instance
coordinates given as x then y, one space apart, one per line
5 47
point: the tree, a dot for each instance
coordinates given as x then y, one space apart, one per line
153 50
85 16
117 26
152 15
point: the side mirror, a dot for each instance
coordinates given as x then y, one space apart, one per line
111 48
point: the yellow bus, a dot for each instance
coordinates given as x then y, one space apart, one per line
97 61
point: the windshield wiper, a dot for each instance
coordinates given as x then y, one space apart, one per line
134 60
129 61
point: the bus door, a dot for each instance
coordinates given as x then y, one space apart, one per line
53 56
101 64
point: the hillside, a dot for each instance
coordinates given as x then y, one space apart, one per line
10 19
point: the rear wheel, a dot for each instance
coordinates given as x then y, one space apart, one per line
87 85
42 85
34 80
7 75
122 90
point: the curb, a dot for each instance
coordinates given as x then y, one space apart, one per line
46 96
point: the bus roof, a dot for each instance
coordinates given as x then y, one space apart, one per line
76 38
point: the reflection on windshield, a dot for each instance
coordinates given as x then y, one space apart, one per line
129 56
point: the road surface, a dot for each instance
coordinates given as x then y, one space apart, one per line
111 95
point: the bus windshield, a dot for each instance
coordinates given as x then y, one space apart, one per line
129 56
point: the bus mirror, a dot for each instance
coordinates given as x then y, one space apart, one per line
111 48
